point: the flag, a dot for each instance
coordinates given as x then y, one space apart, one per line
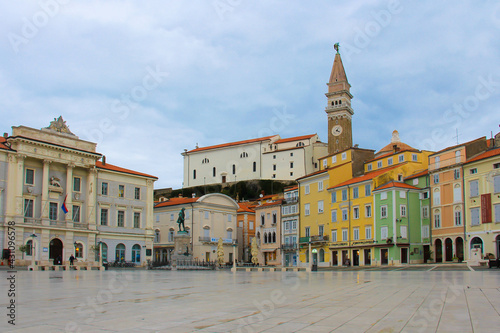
63 207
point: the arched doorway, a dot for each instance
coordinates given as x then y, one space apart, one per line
459 246
136 253
55 249
438 249
497 240
448 248
476 242
120 252
104 252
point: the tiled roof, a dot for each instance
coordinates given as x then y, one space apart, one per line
486 154
291 188
366 176
232 144
396 184
268 204
2 143
418 174
459 145
297 138
314 173
111 167
390 147
245 207
175 201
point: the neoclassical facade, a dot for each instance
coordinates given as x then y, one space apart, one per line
64 201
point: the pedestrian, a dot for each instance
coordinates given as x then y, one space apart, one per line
71 260
59 260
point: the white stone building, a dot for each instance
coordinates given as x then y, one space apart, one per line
262 158
42 170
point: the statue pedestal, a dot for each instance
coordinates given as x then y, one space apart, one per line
182 248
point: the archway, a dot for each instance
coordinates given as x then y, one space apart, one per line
476 242
136 253
459 246
120 252
438 249
55 249
448 248
497 242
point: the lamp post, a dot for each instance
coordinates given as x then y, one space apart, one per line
234 257
33 236
100 253
75 244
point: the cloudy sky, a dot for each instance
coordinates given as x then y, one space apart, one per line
148 79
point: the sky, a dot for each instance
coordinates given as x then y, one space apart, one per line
148 79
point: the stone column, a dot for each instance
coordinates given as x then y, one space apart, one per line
45 192
91 214
20 187
12 208
443 251
69 192
453 249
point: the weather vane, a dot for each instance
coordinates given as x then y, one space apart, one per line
336 46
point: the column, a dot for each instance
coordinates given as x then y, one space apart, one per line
453 248
19 186
45 192
13 187
69 192
443 251
91 214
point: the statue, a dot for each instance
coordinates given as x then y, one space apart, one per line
180 220
220 252
336 46
55 182
59 125
255 252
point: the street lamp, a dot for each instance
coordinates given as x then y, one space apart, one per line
33 236
100 253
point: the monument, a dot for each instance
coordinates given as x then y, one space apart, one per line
182 241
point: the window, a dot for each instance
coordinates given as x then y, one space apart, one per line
229 234
79 250
229 218
104 188
308 231
389 161
334 159
458 217
291 154
194 174
300 144
275 218
325 163
320 186
287 225
29 178
457 156
355 212
29 250
383 211
474 188
121 191
262 218
401 158
120 252
334 215
321 230
320 206
355 192
137 220
76 213
28 208
334 235
497 213
368 232
437 219
457 193
436 162
425 195
384 232
244 155
234 169
414 157
369 167
474 216
274 157
368 211
306 189
436 179
425 231
171 216
120 219
473 171
254 166
379 164
496 166
250 225
206 232
437 197
157 236
425 212
368 190
403 231
344 156
53 211
205 161
104 216
137 193
415 181
355 232
291 165
334 196
77 181
344 234
294 225
496 184
344 195
402 194
307 208
456 174
345 214
402 210
171 235
383 195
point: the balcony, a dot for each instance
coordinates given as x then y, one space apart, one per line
289 247
314 239
29 220
290 201
215 240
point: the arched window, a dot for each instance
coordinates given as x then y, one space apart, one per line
234 169
476 242
214 172
243 155
194 174
104 248
157 236
120 252
29 250
321 255
274 237
136 253
437 197
300 144
457 156
254 166
205 161
265 238
79 250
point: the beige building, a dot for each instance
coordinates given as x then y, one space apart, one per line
61 200
268 232
262 158
207 219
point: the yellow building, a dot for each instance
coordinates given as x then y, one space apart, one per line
482 200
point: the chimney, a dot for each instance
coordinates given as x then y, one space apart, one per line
395 148
103 160
6 135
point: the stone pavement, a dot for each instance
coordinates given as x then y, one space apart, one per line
220 301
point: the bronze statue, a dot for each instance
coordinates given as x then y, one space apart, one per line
180 220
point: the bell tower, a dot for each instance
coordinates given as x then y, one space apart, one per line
339 109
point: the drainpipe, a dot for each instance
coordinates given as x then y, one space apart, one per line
408 223
465 246
349 230
192 228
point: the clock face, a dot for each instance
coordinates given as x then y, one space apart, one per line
337 130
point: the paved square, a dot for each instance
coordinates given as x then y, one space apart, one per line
219 301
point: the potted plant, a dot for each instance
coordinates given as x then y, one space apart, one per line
24 248
455 258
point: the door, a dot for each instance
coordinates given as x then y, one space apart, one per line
55 249
497 239
459 245
368 257
404 255
287 260
448 247
355 257
427 253
335 259
439 250
344 257
384 256
207 256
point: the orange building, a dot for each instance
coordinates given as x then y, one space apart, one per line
246 229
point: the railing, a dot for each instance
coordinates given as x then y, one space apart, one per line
289 247
196 264
290 201
215 240
64 224
29 220
317 238
205 239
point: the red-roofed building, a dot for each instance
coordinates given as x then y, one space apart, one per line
290 227
54 186
268 232
269 157
246 227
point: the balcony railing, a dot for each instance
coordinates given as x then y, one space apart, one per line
289 247
215 240
29 220
314 239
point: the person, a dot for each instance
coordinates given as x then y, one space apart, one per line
71 260
59 260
